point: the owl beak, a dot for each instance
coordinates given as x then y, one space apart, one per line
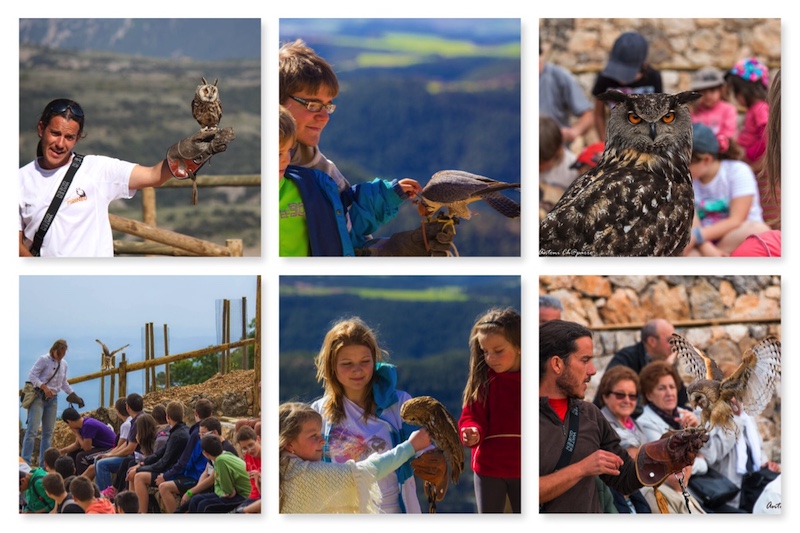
653 131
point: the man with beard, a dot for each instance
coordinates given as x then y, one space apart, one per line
577 443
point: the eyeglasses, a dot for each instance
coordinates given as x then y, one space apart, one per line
315 107
622 395
61 105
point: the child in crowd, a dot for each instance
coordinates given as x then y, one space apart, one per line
555 159
360 405
309 485
749 82
54 487
84 492
490 422
126 502
35 499
713 109
317 218
92 437
626 71
727 207
231 482
250 443
51 455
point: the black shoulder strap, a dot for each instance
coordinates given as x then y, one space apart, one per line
569 446
572 438
38 239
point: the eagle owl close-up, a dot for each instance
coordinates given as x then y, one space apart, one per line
752 384
638 200
206 105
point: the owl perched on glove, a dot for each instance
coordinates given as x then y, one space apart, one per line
206 105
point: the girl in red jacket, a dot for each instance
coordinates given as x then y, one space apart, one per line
490 421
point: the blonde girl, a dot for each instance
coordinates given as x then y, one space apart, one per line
309 485
360 408
490 420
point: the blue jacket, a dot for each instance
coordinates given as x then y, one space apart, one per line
369 205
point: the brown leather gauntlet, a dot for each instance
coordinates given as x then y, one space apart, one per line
656 460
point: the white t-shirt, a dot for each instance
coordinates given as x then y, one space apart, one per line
80 227
734 179
352 438
125 428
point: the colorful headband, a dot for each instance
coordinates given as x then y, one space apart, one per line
751 69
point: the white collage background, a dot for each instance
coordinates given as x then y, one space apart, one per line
529 266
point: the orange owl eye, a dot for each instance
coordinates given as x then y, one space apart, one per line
633 118
669 117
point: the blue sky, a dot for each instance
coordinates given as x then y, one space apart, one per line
115 310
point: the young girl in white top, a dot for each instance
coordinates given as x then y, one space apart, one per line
309 485
360 408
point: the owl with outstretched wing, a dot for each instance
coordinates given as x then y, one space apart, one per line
752 383
428 412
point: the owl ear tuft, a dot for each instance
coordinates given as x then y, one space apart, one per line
612 96
687 96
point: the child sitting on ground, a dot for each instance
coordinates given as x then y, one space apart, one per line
126 502
309 485
250 444
54 487
727 208
84 492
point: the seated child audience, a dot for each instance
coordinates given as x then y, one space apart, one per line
126 502
713 108
51 455
92 438
85 494
727 207
35 498
250 443
54 487
231 482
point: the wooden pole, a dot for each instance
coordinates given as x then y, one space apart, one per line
134 227
152 369
693 323
122 371
102 386
226 332
147 334
166 353
245 365
113 379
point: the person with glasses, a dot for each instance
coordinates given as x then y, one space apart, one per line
316 219
79 227
652 346
619 393
307 87
48 377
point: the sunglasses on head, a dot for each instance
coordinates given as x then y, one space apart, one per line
62 105
622 395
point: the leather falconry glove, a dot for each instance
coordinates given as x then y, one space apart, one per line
658 459
431 239
77 400
431 467
188 155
